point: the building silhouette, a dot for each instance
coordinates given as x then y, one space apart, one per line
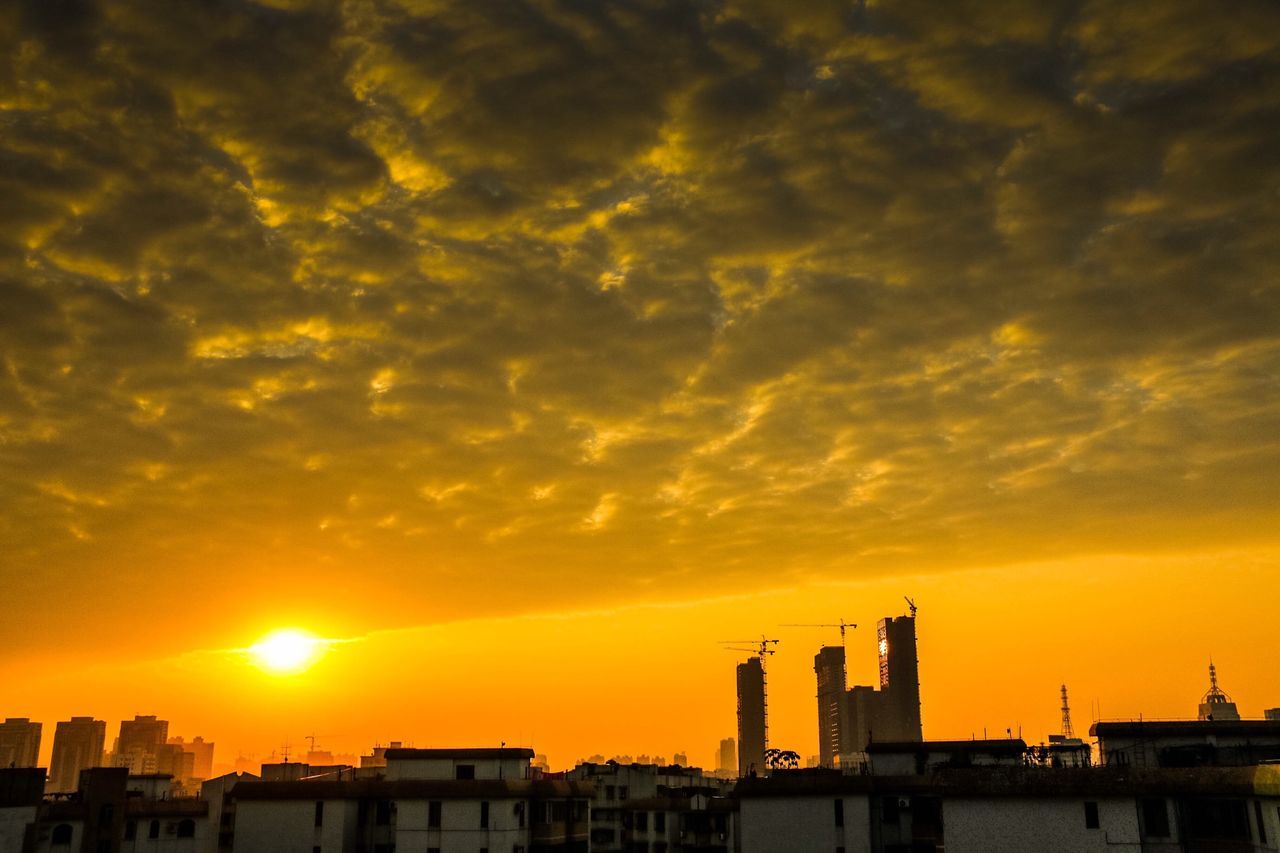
899 679
77 746
727 757
201 755
849 719
833 706
140 744
752 727
19 742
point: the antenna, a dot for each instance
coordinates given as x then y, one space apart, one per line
912 605
1066 715
761 648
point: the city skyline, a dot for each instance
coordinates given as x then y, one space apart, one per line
793 694
464 371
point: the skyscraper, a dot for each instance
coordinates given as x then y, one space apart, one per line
77 745
140 743
829 665
727 757
899 679
19 742
892 712
752 728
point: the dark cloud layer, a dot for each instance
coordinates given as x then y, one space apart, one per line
462 306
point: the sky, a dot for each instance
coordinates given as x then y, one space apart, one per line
530 348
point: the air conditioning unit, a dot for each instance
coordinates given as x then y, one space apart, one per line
904 802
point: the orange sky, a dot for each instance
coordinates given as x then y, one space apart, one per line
994 646
410 322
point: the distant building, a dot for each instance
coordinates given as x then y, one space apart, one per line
680 759
833 716
139 744
727 757
1271 714
19 742
850 718
752 731
378 758
202 755
1217 705
899 680
77 746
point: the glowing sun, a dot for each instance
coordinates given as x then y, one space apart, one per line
287 650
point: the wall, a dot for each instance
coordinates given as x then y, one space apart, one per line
803 824
13 824
1019 824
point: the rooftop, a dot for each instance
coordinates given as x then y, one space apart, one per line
1151 728
473 754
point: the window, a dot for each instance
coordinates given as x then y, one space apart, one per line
484 814
1155 817
839 804
382 812
61 835
130 830
187 828
319 813
1091 815
315 849
622 792
610 792
642 821
433 814
465 771
153 831
659 821
1262 827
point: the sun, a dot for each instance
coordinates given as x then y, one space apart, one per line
287 650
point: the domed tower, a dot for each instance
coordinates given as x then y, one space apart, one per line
1217 705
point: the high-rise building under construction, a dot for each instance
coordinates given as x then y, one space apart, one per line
833 722
850 719
752 732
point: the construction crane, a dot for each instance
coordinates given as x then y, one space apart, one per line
761 649
912 605
842 625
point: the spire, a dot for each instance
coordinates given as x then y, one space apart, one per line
1215 694
1066 715
1216 704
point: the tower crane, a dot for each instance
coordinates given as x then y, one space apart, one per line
842 625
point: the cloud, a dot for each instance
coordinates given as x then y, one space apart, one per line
449 309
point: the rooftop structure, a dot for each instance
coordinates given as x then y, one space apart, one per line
1217 705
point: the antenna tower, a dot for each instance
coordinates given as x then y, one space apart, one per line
1066 715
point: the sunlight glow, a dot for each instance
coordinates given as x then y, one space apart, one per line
287 650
